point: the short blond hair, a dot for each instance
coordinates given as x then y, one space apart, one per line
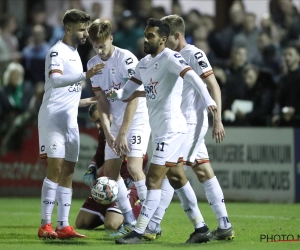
176 24
100 30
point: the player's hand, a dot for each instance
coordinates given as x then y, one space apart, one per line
212 109
95 70
121 146
110 140
218 131
90 176
88 101
111 94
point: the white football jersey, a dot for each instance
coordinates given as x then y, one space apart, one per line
193 106
118 69
60 105
162 80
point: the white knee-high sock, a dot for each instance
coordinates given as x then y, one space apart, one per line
189 204
124 204
215 198
64 199
149 207
141 189
167 192
48 196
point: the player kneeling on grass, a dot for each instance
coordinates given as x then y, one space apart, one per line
93 214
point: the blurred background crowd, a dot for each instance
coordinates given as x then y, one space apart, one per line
255 58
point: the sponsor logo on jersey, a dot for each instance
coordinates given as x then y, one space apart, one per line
113 71
53 54
130 72
156 66
150 90
198 55
72 60
129 61
42 148
76 87
142 67
203 64
177 55
183 62
54 64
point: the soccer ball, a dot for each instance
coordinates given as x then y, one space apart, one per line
105 190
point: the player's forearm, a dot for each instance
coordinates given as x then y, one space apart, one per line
127 90
193 78
59 81
215 91
103 109
128 116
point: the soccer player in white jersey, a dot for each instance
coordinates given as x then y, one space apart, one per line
57 122
129 133
161 73
194 110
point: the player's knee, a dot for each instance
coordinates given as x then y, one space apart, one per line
112 225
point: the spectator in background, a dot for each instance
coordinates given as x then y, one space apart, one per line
9 45
128 33
12 139
14 95
158 12
58 30
34 55
38 16
96 11
287 108
248 38
287 18
143 13
234 77
255 101
193 20
270 54
226 36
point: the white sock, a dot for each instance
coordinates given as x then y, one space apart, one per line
64 199
47 200
189 204
149 207
141 189
123 203
167 192
215 198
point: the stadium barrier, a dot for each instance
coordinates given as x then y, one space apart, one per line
251 164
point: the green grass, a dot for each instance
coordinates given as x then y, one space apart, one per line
20 218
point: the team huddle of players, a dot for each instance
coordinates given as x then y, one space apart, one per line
165 93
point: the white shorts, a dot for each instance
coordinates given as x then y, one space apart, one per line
167 148
59 143
137 141
195 150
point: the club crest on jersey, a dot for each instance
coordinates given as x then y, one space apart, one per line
130 72
150 90
156 66
53 147
113 71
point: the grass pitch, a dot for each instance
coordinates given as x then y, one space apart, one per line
20 219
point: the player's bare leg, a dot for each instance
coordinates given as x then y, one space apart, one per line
64 200
135 168
189 204
112 170
215 198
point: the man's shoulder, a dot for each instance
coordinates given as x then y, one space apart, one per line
123 54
